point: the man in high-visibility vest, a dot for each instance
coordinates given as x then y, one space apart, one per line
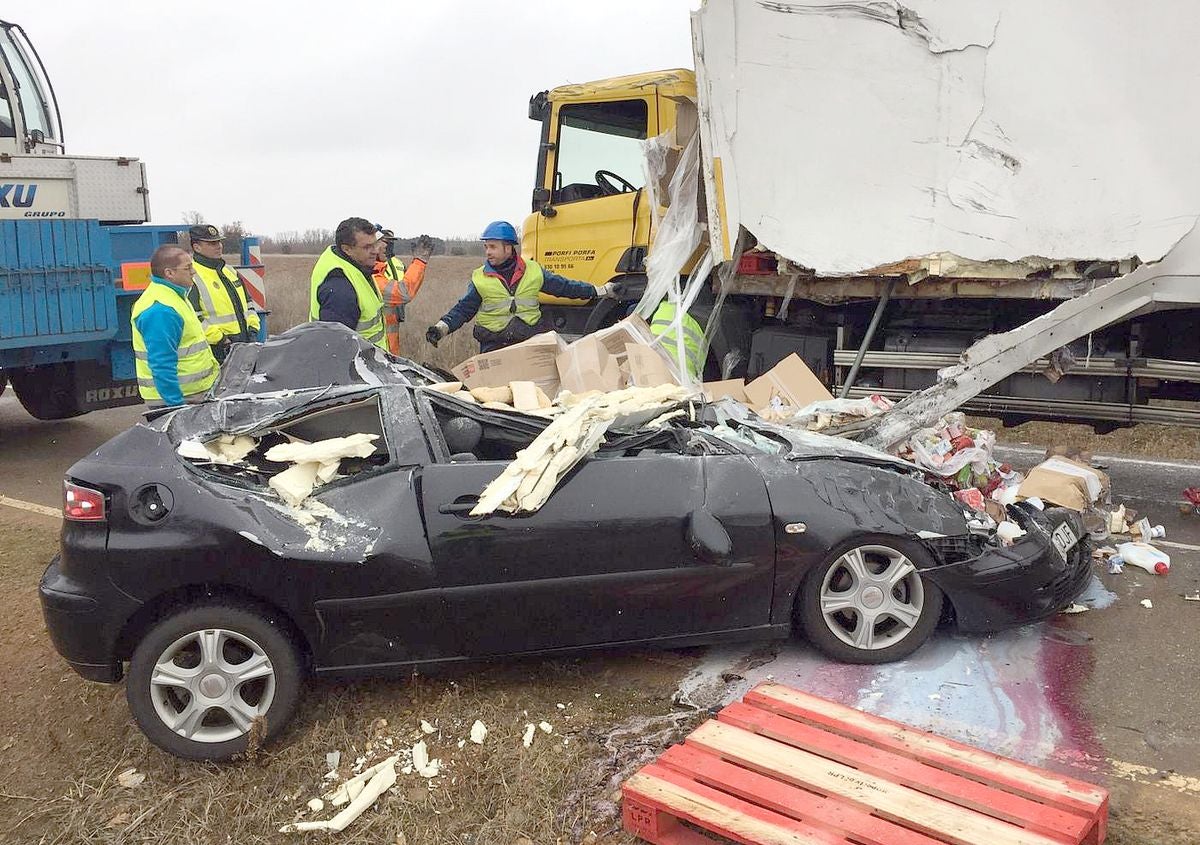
341 289
662 323
398 285
172 357
502 295
218 295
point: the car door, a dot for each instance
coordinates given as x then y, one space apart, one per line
606 559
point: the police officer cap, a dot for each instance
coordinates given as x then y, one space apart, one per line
204 232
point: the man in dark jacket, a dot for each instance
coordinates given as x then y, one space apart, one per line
502 295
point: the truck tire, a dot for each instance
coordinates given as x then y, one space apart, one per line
47 392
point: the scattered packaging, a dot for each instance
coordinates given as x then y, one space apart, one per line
734 388
1144 531
647 366
632 330
1066 483
587 364
789 384
836 413
531 360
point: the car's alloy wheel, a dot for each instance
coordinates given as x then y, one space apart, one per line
199 680
869 604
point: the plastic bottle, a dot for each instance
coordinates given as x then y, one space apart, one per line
1143 556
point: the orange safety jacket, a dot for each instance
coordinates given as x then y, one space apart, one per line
396 293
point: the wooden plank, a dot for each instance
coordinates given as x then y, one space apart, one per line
892 801
826 813
669 791
989 800
1018 778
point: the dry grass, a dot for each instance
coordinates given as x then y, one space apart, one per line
445 281
1153 441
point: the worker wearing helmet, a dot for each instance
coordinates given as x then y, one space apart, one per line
502 295
397 285
218 296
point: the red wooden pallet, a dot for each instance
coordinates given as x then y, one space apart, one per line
782 766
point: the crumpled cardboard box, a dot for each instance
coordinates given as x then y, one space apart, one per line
1066 483
734 388
788 383
647 366
532 360
588 365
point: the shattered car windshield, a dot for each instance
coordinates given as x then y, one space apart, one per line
313 355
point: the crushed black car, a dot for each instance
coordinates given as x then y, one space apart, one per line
221 591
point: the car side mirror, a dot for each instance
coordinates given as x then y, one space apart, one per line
708 538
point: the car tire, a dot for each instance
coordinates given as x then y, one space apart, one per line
255 673
850 588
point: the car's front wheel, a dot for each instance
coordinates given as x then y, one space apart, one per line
200 679
867 602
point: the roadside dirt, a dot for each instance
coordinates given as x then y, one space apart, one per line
63 742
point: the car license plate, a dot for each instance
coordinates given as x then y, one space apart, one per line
1064 539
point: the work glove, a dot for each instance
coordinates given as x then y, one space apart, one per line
610 290
436 332
422 248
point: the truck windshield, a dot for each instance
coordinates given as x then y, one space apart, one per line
7 127
32 91
599 136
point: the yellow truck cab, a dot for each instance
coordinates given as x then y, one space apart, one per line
591 218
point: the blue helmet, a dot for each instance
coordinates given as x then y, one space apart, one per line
499 230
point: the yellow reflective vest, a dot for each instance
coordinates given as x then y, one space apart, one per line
218 312
498 306
370 306
197 367
693 337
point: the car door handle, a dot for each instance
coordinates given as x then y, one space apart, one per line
460 506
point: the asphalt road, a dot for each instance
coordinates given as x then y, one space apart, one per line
1111 695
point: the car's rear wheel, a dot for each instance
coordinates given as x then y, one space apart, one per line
867 602
200 679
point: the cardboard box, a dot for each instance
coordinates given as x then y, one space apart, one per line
1066 483
734 388
532 360
647 366
790 382
633 329
588 365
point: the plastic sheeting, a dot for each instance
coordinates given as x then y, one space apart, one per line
678 234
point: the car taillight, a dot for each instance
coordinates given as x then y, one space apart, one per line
82 504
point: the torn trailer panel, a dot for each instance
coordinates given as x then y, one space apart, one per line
982 131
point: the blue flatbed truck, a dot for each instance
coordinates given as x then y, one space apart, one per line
74 250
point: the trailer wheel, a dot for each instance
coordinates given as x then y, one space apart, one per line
47 392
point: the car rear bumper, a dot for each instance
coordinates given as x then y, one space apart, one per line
84 623
1015 585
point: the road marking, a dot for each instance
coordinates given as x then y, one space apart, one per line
30 506
1110 459
1170 545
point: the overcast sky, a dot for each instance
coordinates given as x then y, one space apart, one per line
291 115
